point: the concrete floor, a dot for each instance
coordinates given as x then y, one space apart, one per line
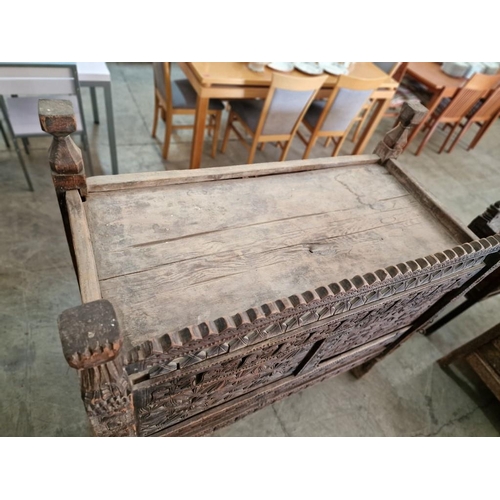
405 395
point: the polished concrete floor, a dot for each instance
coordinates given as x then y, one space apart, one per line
405 395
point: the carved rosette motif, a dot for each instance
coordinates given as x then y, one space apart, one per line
183 374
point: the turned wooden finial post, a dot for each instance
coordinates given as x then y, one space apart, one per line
392 145
57 118
91 342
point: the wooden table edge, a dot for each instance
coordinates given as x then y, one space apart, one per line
105 183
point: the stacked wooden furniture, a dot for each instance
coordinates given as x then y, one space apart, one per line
483 356
254 257
484 225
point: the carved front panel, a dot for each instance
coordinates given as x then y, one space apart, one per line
283 341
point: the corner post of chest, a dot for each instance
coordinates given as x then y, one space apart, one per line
57 118
92 344
392 145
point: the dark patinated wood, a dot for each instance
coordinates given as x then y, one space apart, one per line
487 223
483 225
483 355
57 118
171 249
91 342
392 145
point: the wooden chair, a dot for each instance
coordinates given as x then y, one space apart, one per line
483 356
177 97
484 116
28 82
484 225
460 105
334 117
276 118
395 70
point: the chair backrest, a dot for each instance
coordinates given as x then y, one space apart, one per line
286 103
162 81
491 105
388 67
28 79
346 101
396 70
465 99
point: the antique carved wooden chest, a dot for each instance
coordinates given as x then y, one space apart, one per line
208 294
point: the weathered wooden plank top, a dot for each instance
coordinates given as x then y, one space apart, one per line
175 255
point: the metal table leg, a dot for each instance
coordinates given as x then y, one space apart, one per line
111 127
95 109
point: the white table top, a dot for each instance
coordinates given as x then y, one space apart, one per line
93 72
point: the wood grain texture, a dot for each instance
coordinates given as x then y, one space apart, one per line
211 250
172 177
453 225
187 373
86 267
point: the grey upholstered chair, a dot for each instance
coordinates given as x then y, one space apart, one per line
29 82
177 97
334 117
276 118
387 67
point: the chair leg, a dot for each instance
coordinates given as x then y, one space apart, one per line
4 135
327 142
425 140
262 146
338 146
484 128
459 136
310 145
23 165
357 130
286 149
452 131
155 117
253 149
218 118
168 135
226 132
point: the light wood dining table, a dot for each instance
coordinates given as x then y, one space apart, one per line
437 82
233 80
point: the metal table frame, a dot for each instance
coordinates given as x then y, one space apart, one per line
88 81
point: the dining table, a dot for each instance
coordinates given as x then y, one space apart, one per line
234 80
439 84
